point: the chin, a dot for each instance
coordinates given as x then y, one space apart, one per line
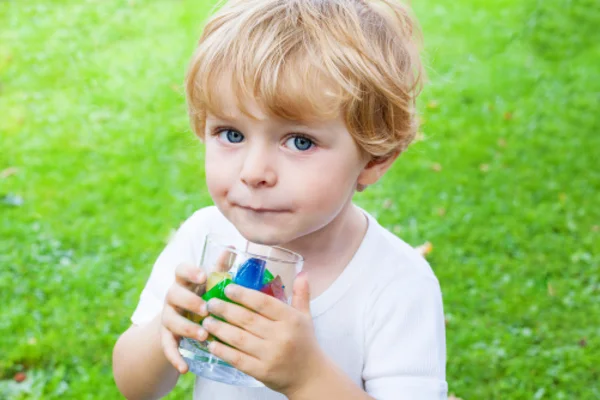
264 235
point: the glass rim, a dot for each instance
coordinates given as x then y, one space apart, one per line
213 238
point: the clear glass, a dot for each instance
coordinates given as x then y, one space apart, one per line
271 270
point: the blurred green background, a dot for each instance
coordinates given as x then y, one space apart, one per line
98 166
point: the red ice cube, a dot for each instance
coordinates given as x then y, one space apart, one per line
275 289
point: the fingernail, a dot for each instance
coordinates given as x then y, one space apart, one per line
208 321
204 309
231 290
213 304
202 334
211 346
201 276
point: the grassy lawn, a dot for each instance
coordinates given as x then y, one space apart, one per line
504 181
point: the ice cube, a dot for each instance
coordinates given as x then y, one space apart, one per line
251 274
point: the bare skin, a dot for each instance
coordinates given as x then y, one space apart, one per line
146 361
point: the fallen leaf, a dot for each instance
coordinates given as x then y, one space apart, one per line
8 172
20 377
433 104
437 167
425 248
508 116
595 228
484 167
502 142
551 291
441 211
387 204
397 229
583 342
419 137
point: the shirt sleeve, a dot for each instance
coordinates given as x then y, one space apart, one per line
405 356
183 247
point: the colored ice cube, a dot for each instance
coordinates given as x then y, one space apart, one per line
217 291
251 274
268 277
267 289
216 277
275 289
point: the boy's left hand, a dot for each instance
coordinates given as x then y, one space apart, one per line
269 340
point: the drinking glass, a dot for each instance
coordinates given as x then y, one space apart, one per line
270 269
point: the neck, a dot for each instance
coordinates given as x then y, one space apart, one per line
325 246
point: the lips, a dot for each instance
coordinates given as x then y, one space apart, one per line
262 209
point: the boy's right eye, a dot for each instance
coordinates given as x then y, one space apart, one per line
230 136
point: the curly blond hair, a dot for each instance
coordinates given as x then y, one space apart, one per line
314 59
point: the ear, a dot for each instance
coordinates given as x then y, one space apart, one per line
375 169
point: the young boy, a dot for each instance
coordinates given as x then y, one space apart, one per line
300 103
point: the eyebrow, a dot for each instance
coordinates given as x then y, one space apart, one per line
292 125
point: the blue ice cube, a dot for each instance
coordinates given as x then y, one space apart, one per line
250 274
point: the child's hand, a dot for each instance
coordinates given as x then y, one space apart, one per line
183 295
270 340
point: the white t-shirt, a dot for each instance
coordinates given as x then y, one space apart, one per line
381 321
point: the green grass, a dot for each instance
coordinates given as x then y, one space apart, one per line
505 184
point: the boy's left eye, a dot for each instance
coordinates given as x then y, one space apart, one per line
299 143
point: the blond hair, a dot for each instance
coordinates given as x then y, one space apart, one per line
311 59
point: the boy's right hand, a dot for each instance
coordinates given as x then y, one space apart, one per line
183 296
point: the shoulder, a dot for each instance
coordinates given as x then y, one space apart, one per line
395 278
396 260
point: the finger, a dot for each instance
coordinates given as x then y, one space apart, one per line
170 347
225 260
301 297
234 336
181 326
263 304
188 275
241 317
238 359
184 299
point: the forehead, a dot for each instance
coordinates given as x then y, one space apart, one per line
248 112
291 95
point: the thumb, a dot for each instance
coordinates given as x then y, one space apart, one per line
301 295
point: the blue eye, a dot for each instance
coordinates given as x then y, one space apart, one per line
231 136
299 143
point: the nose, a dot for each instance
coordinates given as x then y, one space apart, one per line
258 168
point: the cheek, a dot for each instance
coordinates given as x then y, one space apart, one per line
328 183
217 180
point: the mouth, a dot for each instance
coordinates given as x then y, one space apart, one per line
262 210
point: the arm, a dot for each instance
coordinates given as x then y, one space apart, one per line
140 366
146 359
330 383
